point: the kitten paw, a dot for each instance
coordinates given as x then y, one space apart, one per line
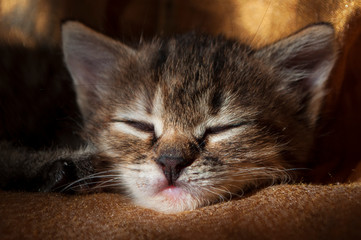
57 175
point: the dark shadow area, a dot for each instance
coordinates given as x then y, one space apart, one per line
37 102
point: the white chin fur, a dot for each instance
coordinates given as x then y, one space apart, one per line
168 204
148 188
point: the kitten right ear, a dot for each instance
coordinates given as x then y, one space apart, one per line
91 58
306 59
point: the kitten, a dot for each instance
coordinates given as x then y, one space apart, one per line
187 121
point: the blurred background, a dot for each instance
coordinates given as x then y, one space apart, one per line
255 21
33 80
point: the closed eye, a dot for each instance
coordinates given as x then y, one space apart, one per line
138 125
217 130
220 129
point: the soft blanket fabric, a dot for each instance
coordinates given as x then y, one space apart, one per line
286 211
279 212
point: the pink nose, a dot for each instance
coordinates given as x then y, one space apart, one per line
172 166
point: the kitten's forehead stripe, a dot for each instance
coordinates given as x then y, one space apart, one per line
216 103
148 105
157 112
161 57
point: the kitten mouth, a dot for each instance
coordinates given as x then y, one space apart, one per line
156 193
172 191
161 196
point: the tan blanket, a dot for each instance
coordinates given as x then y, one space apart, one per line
279 212
297 211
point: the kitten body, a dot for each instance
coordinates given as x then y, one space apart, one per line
183 122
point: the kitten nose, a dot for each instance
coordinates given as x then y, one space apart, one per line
172 166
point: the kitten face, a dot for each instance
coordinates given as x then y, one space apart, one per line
192 120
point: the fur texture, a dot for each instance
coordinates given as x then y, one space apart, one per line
187 121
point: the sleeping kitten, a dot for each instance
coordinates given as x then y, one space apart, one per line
184 122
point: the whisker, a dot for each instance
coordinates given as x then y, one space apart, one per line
109 185
91 176
107 181
220 196
225 190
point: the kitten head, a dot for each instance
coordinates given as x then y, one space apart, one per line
190 120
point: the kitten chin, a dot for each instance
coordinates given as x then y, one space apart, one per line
158 195
191 120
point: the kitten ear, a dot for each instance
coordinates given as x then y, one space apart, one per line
91 59
306 59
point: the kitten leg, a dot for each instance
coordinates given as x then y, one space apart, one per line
21 168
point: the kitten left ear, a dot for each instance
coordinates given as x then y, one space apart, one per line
91 59
305 59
